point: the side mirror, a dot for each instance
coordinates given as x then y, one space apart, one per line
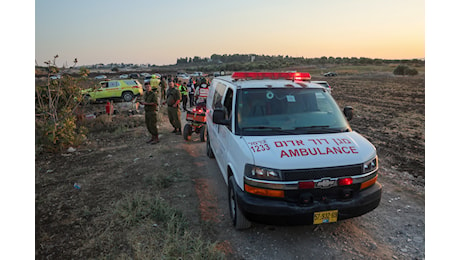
218 117
348 112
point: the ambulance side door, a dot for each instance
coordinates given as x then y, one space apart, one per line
214 130
226 131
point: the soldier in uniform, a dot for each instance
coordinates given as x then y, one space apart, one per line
173 98
163 86
150 106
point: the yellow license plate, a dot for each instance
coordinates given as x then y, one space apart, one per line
325 216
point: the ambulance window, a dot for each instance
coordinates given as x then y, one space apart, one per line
114 84
323 103
228 103
131 82
219 92
275 111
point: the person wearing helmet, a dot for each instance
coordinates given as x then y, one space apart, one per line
151 106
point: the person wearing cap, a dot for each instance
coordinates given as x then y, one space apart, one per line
150 106
173 98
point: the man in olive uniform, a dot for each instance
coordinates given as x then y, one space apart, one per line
150 106
173 98
163 86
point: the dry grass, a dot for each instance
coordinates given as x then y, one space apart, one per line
126 206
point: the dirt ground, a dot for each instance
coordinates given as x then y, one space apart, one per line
76 191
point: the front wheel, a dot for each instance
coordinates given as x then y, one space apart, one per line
209 151
239 220
187 132
203 134
127 96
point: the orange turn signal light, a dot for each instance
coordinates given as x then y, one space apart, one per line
264 192
368 183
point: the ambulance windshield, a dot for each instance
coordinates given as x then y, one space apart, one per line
277 111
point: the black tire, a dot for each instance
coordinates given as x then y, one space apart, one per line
127 96
87 99
203 134
209 151
238 219
187 132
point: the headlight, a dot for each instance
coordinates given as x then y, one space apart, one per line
371 165
262 173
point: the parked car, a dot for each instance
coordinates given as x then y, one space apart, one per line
324 84
330 74
124 76
57 76
101 77
287 152
183 76
219 73
126 90
134 76
197 74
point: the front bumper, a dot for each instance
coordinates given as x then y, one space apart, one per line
279 212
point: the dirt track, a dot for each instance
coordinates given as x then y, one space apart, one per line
388 110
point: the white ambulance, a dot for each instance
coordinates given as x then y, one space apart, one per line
287 152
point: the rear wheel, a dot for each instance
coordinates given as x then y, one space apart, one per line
239 220
187 132
127 96
86 99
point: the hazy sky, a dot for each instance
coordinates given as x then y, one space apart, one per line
159 32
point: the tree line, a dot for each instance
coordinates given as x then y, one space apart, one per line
254 58
235 62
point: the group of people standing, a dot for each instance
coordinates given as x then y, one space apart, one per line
195 90
188 89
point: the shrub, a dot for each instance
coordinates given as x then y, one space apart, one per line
55 105
404 70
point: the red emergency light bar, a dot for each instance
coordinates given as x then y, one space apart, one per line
272 75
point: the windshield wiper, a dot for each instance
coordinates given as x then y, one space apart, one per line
311 127
321 129
262 127
271 128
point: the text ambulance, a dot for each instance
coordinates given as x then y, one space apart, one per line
287 152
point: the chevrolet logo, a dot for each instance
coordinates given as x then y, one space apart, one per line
326 183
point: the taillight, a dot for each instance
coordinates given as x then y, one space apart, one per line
345 182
